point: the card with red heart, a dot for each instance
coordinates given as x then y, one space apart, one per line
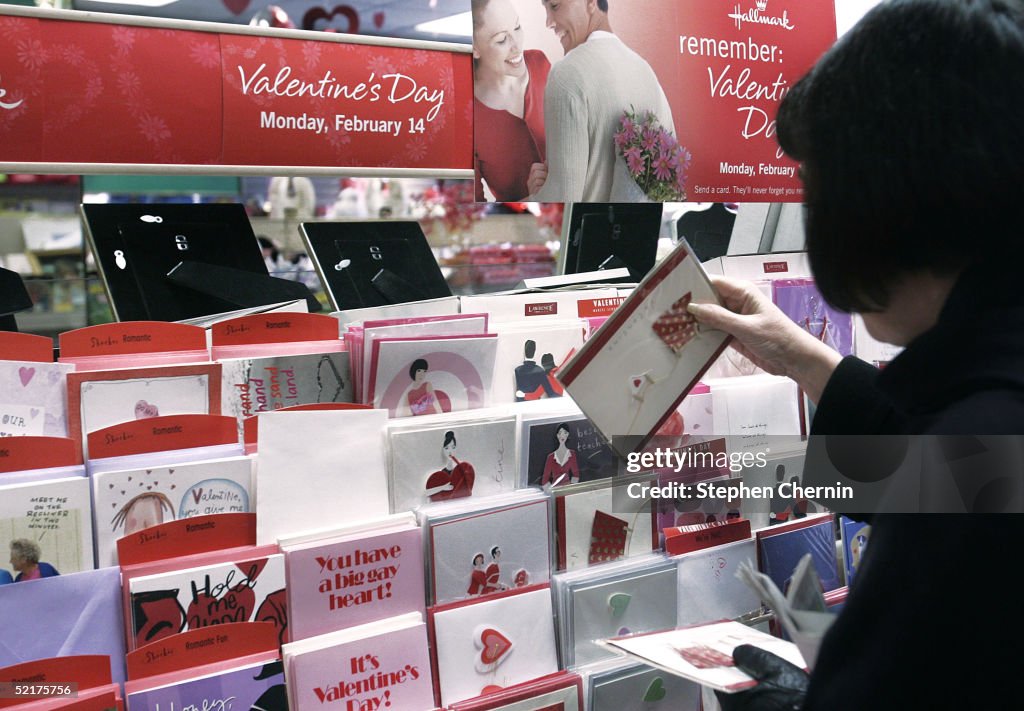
101 398
34 399
482 646
633 373
130 499
557 692
244 590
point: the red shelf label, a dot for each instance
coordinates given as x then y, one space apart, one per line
206 645
20 453
160 434
130 337
187 536
274 328
25 346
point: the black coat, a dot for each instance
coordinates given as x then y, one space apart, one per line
931 621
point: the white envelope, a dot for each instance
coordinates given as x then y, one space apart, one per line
318 469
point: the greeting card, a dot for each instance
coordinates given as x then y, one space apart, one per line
633 373
342 476
33 398
755 411
376 666
855 536
781 472
557 451
556 692
803 303
64 615
530 357
599 523
703 654
441 458
708 588
252 385
244 590
52 518
780 549
343 579
487 550
241 684
483 645
101 398
373 331
613 600
425 376
624 684
128 501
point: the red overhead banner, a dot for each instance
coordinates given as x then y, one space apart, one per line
134 93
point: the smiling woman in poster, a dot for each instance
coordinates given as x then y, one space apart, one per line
508 104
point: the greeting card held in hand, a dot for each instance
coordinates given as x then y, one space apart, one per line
451 458
127 501
240 591
345 580
485 645
384 665
53 515
633 373
33 398
704 653
481 553
428 376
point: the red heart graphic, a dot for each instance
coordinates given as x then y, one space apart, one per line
26 375
378 19
236 6
145 410
676 326
495 645
490 689
636 382
317 18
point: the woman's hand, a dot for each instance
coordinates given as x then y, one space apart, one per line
765 335
538 176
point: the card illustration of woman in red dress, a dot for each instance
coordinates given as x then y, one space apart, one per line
561 465
455 479
478 578
420 398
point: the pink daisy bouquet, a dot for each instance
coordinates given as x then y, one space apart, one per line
654 157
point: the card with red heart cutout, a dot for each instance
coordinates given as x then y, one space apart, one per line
34 398
499 641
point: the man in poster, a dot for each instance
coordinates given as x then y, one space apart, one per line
588 91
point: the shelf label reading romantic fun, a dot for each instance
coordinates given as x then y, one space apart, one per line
157 92
674 100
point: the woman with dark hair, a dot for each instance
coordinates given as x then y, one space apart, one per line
419 398
455 479
561 464
508 104
909 135
478 578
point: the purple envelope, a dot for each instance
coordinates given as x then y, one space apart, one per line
67 614
803 303
343 584
258 686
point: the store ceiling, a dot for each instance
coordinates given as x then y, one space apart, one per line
386 18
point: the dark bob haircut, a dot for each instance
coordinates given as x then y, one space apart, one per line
418 364
912 143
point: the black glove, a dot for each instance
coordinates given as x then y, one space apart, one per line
781 686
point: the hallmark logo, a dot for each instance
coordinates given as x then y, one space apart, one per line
754 15
8 105
775 267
